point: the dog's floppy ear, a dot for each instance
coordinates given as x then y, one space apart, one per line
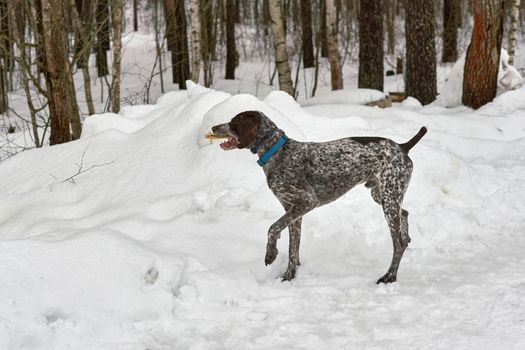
246 126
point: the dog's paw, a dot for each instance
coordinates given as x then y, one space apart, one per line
271 254
387 278
289 274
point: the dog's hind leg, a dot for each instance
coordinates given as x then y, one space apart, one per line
392 190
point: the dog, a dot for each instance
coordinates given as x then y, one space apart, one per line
307 175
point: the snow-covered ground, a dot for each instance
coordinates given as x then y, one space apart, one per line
159 242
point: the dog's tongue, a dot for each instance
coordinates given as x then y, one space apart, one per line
230 144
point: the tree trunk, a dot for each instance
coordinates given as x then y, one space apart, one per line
308 48
4 54
279 42
195 40
420 51
483 54
84 36
135 16
391 25
207 37
514 16
450 30
54 35
231 51
323 37
102 30
336 69
116 21
181 59
371 68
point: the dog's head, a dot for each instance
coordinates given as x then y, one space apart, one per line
242 131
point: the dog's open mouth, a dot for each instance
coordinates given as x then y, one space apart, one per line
229 144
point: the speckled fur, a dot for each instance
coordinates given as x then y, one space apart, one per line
306 175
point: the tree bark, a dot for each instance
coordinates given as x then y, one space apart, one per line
308 48
279 42
116 21
231 51
54 35
336 69
102 31
371 54
83 29
514 16
195 40
482 62
181 59
207 40
420 51
450 30
323 37
135 16
390 6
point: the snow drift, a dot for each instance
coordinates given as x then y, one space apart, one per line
142 234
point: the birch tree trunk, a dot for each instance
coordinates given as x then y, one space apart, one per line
514 16
420 50
279 42
336 70
482 62
195 40
371 51
116 21
55 52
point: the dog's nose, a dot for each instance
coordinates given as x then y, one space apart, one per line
214 128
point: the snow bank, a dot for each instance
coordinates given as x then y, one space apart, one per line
347 96
157 241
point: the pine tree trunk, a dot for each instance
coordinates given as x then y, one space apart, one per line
116 21
54 35
279 42
336 69
231 51
450 31
308 48
514 16
390 25
371 67
483 54
420 51
195 40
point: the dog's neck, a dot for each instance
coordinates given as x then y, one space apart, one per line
271 139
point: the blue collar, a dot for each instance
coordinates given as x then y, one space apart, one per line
266 156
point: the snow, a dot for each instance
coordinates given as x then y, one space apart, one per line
348 96
161 244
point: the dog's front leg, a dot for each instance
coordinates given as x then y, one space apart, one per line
293 250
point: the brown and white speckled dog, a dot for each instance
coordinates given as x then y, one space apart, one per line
306 175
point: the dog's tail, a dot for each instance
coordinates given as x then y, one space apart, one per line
412 142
